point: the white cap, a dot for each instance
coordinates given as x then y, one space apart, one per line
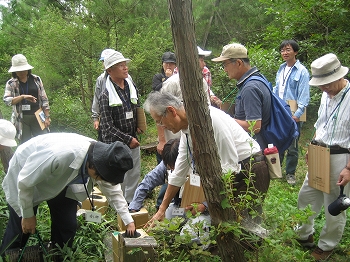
105 53
114 58
7 133
201 52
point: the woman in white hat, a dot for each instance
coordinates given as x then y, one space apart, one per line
26 94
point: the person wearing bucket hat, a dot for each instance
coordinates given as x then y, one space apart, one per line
99 87
118 105
253 100
26 94
333 132
61 169
168 69
7 134
292 83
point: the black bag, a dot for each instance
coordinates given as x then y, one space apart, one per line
28 253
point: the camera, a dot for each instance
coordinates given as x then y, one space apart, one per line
340 204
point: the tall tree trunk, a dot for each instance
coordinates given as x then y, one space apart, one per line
5 154
205 149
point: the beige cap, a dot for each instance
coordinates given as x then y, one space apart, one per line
229 51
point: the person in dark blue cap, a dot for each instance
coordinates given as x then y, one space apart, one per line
168 69
61 168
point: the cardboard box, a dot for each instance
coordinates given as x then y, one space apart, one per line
140 219
133 249
100 202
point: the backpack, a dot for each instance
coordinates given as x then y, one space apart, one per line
282 129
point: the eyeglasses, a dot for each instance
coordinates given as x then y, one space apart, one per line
230 62
287 50
119 65
160 122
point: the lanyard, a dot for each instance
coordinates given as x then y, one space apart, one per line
85 180
25 93
337 107
126 90
192 158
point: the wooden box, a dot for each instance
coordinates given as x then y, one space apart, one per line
139 249
140 219
100 202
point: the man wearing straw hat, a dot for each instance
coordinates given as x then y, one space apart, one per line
333 132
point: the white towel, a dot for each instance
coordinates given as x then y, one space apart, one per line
114 99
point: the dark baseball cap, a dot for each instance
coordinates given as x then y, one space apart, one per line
169 57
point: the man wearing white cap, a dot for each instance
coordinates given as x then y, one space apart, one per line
7 134
253 101
333 132
118 104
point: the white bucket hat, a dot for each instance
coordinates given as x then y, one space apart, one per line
105 53
7 133
326 69
19 63
114 58
201 52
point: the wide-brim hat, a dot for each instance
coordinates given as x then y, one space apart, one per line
202 52
112 161
113 58
326 69
229 51
7 133
105 53
19 63
169 57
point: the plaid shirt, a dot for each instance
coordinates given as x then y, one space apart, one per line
12 91
113 123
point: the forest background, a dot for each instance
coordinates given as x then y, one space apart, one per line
63 41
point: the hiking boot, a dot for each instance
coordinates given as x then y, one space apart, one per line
321 255
290 179
309 242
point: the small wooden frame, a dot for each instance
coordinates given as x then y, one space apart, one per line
294 107
319 168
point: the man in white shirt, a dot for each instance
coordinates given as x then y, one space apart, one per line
333 132
60 168
235 147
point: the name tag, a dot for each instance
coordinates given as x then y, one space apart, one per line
178 211
25 107
195 180
129 115
93 216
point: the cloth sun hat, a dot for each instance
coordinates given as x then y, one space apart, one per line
169 57
326 69
114 58
106 53
112 161
7 133
229 51
19 63
201 52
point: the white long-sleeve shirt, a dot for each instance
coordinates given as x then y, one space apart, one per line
43 166
233 142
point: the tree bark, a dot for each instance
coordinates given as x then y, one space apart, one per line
195 102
